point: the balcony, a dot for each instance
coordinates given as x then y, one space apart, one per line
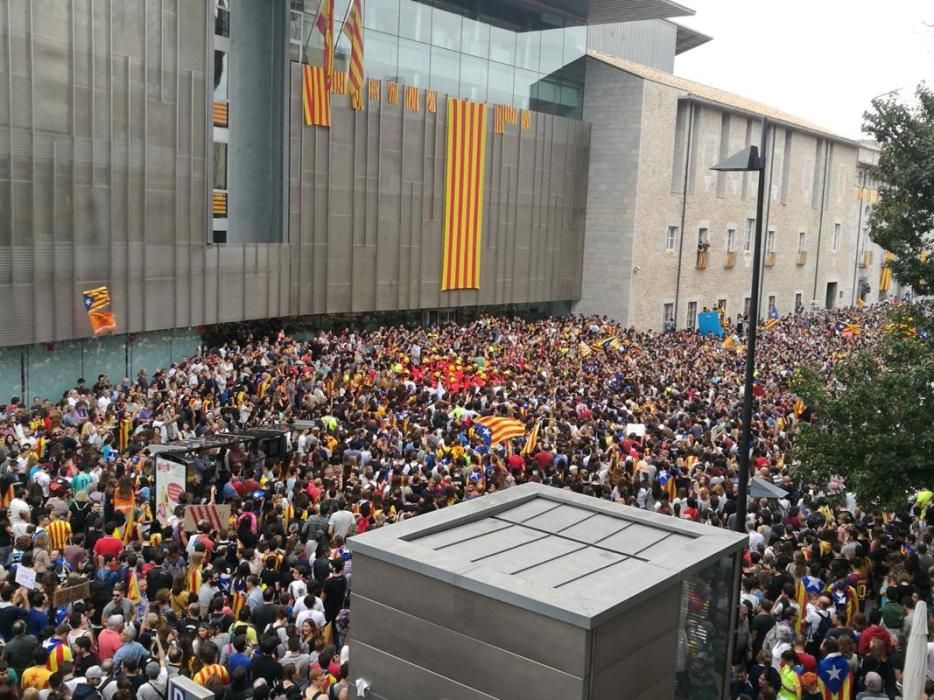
866 260
770 259
701 258
802 257
730 259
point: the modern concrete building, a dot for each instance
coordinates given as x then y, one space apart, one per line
157 147
536 592
667 237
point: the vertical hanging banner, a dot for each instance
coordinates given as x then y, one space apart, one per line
325 24
316 101
463 194
170 485
353 29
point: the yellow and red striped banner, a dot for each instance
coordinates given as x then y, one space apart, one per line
315 98
411 99
325 25
431 101
463 194
526 120
392 93
339 83
374 87
353 28
502 428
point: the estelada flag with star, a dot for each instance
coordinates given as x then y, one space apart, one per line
834 677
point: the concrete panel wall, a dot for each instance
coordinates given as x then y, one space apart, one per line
103 138
613 103
366 204
650 42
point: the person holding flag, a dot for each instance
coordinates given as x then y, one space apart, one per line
833 672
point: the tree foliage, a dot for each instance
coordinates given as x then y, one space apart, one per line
903 220
874 417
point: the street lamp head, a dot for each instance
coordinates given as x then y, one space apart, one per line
742 161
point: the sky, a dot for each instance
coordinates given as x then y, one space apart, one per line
821 60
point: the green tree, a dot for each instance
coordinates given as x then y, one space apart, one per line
903 220
874 421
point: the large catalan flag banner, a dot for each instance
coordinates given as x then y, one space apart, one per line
500 428
463 194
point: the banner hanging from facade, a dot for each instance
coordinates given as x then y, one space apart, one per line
465 165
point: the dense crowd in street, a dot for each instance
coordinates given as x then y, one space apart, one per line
259 608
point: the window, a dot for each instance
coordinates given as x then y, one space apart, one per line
668 317
750 232
836 237
730 240
721 305
747 304
802 241
799 305
222 19
771 303
671 239
770 241
692 315
220 76
702 236
220 166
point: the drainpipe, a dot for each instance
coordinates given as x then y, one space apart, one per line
820 220
859 238
684 208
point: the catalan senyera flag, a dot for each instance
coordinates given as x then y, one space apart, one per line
510 114
526 120
465 166
851 329
531 442
325 25
315 99
374 87
6 496
95 299
801 598
237 601
800 407
584 350
339 83
353 29
392 93
411 99
431 101
770 324
193 578
102 322
885 280
499 119
133 593
59 655
124 431
129 528
502 428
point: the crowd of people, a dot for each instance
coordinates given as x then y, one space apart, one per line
259 607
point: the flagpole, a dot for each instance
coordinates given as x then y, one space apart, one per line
344 21
304 40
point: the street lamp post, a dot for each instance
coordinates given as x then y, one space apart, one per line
750 159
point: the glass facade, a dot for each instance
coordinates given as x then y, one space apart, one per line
485 50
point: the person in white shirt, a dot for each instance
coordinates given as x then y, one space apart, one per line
340 523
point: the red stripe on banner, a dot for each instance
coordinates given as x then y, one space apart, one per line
471 195
477 206
462 187
455 154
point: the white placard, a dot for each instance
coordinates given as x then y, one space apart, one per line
26 577
637 429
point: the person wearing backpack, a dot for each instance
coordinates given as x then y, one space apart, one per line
818 623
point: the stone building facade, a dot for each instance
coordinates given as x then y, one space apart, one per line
667 237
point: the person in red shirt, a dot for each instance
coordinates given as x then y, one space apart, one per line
874 631
108 545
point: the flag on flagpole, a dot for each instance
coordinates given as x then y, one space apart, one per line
315 98
531 442
502 428
353 29
325 25
465 166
